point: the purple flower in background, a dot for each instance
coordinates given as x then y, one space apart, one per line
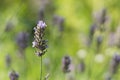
92 30
22 40
114 64
13 75
103 17
66 61
116 58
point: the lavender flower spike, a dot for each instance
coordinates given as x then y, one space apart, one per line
39 43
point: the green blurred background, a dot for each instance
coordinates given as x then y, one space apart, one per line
22 16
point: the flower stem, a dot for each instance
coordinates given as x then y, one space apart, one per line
41 68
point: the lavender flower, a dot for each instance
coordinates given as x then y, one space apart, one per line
13 75
101 18
115 63
66 64
39 43
92 30
22 39
41 25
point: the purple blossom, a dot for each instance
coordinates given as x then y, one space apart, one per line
34 44
66 61
114 65
13 75
41 24
22 41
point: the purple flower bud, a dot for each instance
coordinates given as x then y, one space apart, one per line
103 16
13 75
115 63
41 24
116 58
22 39
66 64
92 30
34 44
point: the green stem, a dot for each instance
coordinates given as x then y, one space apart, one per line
41 68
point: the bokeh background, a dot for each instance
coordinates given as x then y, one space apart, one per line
73 29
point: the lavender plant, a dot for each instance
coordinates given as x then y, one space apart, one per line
13 75
21 40
92 32
66 64
115 64
39 43
114 67
101 19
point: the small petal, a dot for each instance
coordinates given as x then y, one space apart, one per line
34 44
41 24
